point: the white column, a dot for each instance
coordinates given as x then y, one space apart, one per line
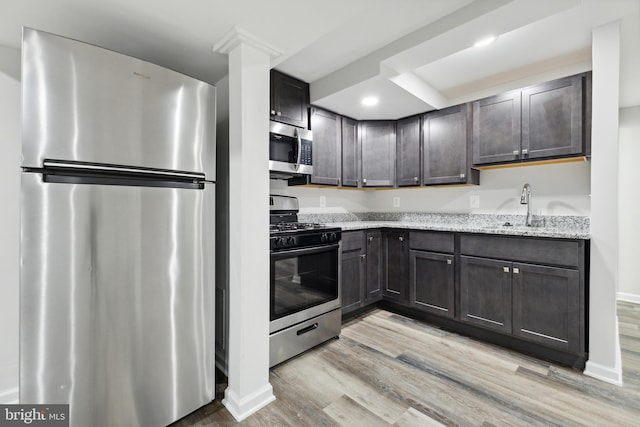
248 365
604 344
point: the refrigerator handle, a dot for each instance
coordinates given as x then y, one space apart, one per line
98 167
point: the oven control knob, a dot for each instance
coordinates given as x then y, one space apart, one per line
277 242
324 237
290 241
333 237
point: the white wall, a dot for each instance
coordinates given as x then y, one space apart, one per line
629 204
557 189
9 221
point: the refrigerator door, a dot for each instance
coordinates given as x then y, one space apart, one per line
84 103
117 292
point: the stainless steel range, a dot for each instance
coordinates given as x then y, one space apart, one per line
305 281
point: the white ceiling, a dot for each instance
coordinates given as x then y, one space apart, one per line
415 55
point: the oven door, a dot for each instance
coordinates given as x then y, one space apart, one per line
304 283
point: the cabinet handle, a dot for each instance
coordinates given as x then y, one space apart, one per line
279 113
363 257
462 176
505 269
401 238
364 181
516 270
370 238
525 152
273 112
516 153
415 179
449 262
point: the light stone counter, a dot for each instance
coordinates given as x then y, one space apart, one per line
564 227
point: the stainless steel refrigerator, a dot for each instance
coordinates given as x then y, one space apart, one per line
117 235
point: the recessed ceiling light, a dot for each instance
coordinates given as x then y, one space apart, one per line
485 41
369 101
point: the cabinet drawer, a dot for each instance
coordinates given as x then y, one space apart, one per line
432 241
569 253
352 240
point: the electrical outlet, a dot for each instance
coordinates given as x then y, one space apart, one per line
474 201
323 201
396 202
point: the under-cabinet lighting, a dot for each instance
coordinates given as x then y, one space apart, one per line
485 41
369 101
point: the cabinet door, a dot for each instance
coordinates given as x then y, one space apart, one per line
378 141
289 100
485 293
496 128
445 146
552 119
374 266
408 152
547 306
326 128
431 281
397 265
353 280
350 157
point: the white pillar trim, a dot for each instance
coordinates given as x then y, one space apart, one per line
237 36
604 343
248 247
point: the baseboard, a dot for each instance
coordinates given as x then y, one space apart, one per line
10 396
623 296
241 408
611 375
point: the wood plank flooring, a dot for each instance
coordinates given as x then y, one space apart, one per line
388 370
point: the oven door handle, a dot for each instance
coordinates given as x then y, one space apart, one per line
304 251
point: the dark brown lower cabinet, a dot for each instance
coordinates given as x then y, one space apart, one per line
537 303
396 250
373 249
485 293
546 305
432 282
353 271
522 292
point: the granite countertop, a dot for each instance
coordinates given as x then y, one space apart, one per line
564 227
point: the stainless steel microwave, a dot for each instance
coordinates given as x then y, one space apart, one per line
290 151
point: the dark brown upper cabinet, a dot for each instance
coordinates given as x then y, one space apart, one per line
447 147
327 135
497 128
350 150
408 152
289 100
545 121
378 145
552 119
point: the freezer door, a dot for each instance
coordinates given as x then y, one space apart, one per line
116 304
84 103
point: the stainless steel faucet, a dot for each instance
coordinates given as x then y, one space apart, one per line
525 199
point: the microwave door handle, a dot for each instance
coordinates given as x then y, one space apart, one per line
299 150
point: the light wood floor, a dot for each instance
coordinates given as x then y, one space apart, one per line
390 370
